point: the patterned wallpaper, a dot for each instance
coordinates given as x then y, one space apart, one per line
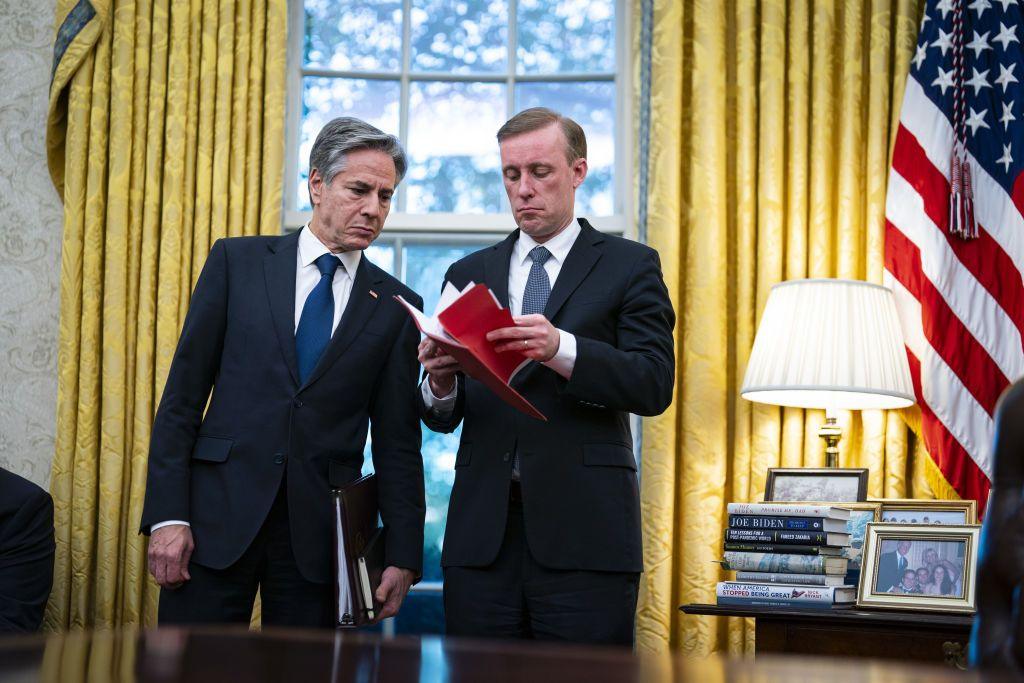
30 232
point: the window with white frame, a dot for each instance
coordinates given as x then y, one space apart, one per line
444 75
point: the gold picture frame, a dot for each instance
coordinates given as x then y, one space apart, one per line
922 548
902 506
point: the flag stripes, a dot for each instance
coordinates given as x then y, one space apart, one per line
960 301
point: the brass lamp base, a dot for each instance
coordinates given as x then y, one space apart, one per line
831 433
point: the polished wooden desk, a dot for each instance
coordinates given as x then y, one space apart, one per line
226 654
921 636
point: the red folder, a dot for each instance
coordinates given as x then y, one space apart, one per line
464 325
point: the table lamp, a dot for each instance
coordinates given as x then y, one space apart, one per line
832 344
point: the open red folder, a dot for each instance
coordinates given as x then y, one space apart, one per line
460 327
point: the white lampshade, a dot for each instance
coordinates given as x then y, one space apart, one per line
833 344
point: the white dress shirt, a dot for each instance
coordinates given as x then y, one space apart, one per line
518 272
307 275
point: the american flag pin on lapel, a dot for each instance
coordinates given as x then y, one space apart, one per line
373 294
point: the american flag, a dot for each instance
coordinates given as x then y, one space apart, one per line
954 240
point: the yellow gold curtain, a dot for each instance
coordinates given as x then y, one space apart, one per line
165 132
770 130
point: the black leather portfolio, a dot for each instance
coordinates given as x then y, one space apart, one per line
358 552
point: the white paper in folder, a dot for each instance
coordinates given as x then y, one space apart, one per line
344 594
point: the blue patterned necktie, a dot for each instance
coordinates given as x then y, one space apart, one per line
535 298
317 319
538 287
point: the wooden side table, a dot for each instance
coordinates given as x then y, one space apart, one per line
918 636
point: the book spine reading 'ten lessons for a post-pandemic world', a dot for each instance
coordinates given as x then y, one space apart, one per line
756 535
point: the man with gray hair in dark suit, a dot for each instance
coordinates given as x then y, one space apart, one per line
303 346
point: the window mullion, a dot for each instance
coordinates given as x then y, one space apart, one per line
622 183
399 259
513 39
293 114
403 103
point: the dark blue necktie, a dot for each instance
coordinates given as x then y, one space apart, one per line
314 331
538 286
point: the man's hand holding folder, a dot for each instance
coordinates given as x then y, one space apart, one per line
472 333
532 336
365 589
394 585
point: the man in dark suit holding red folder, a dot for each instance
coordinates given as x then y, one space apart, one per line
543 534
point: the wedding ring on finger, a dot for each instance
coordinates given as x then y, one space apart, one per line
526 343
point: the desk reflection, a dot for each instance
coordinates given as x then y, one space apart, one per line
227 654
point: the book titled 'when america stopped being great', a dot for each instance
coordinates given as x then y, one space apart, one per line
781 595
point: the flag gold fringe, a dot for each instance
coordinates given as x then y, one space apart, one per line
926 472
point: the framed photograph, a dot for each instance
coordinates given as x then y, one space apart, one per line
861 514
918 567
941 512
809 484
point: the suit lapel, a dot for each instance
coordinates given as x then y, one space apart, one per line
361 305
279 273
581 259
496 267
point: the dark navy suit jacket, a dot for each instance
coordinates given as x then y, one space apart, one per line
26 553
220 470
581 502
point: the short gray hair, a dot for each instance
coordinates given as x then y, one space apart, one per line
346 134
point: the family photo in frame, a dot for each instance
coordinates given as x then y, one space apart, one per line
910 566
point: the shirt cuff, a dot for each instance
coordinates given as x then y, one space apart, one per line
169 522
564 359
440 406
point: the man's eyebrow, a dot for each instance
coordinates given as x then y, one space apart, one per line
533 165
363 185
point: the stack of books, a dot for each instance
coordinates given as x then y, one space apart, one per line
786 555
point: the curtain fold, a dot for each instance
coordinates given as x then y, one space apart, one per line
165 132
770 131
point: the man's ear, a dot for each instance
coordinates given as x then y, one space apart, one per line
579 172
316 186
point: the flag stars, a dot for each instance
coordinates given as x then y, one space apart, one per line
944 6
1006 4
979 80
920 56
944 79
1006 76
1007 115
945 41
1006 159
980 43
977 120
1005 36
980 6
